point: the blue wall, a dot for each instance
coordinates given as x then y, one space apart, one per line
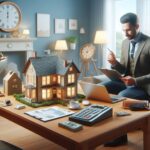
66 9
87 12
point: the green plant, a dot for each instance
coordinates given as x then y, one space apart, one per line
72 39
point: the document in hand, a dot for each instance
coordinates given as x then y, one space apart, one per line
111 74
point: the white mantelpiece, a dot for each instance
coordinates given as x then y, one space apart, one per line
17 45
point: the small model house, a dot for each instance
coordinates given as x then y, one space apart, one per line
12 83
49 78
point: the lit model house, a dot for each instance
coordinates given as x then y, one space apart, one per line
49 78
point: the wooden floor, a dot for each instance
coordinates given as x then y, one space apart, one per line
27 140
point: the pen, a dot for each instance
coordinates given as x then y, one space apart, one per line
109 50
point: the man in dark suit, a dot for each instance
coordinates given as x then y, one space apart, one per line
134 62
134 65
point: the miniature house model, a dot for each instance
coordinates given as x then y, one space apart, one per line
12 83
49 78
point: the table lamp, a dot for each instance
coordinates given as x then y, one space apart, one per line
61 45
26 33
101 39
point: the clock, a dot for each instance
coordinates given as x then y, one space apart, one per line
86 54
87 51
10 16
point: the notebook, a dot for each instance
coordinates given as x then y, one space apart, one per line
99 92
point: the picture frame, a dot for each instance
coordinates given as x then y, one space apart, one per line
43 25
60 26
73 24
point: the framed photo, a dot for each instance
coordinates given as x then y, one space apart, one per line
73 24
60 26
43 25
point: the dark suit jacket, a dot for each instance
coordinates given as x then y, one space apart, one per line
141 62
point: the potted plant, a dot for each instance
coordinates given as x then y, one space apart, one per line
72 40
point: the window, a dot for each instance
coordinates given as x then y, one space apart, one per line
59 93
71 78
121 7
46 80
59 79
46 94
71 91
33 94
70 69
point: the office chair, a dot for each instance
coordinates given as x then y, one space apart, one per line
7 146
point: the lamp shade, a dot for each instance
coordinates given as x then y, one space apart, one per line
82 30
61 45
100 37
26 32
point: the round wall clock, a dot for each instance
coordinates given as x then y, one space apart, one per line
10 16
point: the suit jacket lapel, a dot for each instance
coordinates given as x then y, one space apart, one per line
127 49
140 47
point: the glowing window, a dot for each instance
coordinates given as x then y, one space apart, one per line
33 94
71 91
71 78
44 94
54 79
70 69
43 80
49 93
59 93
68 91
48 80
59 79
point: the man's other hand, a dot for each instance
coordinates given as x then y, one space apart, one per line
128 80
111 58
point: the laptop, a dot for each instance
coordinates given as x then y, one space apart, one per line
99 92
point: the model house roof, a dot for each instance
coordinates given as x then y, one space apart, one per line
49 65
9 75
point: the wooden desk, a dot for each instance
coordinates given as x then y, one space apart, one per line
89 137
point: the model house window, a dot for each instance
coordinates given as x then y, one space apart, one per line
46 94
14 80
59 79
49 93
46 80
62 81
54 79
70 69
31 79
33 94
59 93
71 78
71 91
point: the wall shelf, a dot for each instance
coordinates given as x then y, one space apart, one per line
17 45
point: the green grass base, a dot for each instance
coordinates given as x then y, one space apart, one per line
21 98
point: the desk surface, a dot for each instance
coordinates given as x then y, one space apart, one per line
87 138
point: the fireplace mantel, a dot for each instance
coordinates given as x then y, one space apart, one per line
17 45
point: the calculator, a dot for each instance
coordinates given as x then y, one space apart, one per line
92 114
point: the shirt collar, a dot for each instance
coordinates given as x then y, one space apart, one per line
137 38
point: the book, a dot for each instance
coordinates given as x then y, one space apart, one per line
50 113
112 74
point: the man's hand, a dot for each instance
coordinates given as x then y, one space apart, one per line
128 80
111 58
